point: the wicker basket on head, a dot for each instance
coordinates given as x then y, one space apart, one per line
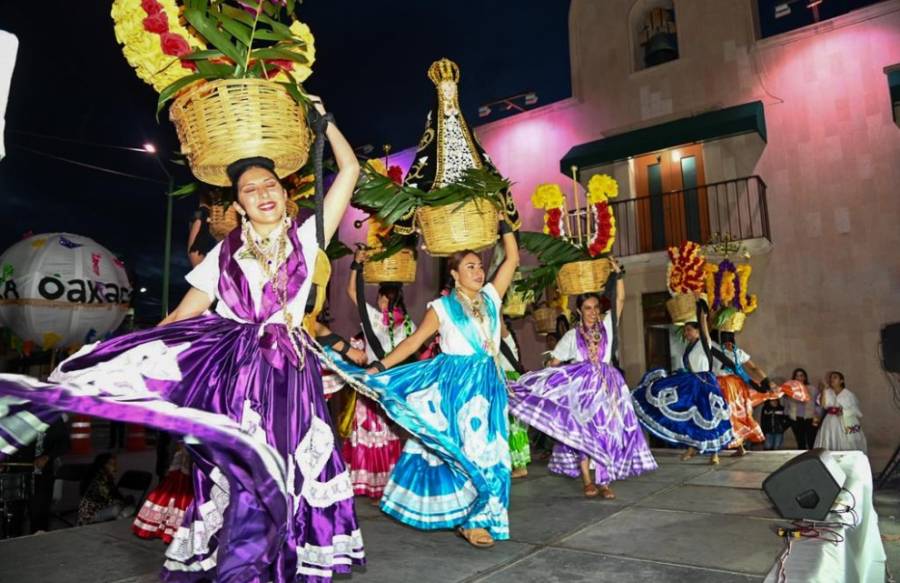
450 228
581 277
683 308
545 319
223 219
398 268
225 120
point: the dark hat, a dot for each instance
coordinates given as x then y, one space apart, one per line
237 168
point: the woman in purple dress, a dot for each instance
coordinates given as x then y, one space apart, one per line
273 500
585 405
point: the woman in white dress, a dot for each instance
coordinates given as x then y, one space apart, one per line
373 448
840 430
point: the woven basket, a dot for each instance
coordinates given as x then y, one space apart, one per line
682 308
734 323
545 320
225 120
398 268
451 228
581 277
224 219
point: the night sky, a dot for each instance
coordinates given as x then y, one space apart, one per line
71 81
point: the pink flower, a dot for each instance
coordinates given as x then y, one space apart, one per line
174 45
157 23
151 7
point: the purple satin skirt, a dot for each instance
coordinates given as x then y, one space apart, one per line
587 408
273 500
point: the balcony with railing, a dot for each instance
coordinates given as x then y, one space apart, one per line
733 210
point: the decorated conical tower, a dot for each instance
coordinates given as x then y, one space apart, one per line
448 146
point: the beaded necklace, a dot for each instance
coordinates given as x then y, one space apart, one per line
271 254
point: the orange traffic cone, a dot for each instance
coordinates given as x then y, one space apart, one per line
136 438
81 435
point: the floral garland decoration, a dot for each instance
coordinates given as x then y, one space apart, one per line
727 285
153 39
550 198
601 188
686 269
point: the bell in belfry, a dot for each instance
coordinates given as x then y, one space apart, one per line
659 37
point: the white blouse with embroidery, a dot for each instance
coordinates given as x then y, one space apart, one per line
567 348
452 339
205 277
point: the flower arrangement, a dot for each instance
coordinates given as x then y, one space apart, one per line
687 269
727 286
172 46
561 244
550 198
601 188
154 40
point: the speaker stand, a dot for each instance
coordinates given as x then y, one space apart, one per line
888 470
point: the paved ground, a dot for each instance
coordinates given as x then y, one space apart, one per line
685 522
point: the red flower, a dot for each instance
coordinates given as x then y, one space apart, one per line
395 173
554 214
151 7
283 64
157 23
174 45
189 65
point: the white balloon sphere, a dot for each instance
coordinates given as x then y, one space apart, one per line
61 290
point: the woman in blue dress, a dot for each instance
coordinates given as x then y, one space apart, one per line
686 407
454 472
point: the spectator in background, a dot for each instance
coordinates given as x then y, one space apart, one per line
200 239
804 417
48 449
773 422
100 498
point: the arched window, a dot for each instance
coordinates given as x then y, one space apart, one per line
654 36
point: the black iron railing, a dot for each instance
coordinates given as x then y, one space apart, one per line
732 209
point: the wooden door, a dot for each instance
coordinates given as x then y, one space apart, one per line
672 205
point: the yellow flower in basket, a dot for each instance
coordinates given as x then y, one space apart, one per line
749 302
299 71
602 187
548 196
727 290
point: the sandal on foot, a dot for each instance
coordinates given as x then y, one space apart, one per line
591 491
519 473
714 460
688 454
477 537
607 493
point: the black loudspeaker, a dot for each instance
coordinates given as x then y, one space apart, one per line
890 347
806 486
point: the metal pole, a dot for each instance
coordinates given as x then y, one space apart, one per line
167 254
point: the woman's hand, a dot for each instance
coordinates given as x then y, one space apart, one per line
372 370
316 102
615 265
358 356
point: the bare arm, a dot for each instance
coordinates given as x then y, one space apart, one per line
620 298
194 303
756 373
359 257
408 347
341 190
194 257
504 276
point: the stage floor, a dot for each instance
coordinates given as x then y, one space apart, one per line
688 521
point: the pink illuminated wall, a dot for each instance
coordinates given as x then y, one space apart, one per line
832 165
